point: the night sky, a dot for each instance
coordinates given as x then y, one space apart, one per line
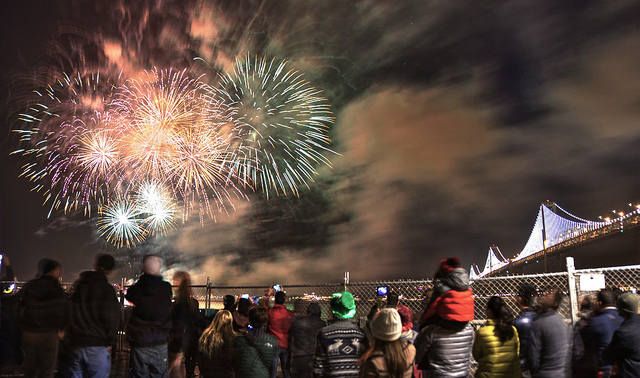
454 121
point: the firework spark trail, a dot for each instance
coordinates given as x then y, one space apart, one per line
281 123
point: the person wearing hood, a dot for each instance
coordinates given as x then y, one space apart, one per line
150 324
93 322
42 305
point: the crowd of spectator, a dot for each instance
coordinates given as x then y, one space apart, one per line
71 334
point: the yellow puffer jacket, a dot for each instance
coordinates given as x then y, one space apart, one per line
496 359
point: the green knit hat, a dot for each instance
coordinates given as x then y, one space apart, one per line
342 305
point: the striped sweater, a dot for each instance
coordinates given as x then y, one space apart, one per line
338 348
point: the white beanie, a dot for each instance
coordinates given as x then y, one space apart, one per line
386 325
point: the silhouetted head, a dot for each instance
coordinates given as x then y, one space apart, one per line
280 297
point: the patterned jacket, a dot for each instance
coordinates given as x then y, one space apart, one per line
338 348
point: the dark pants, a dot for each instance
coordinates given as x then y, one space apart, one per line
151 361
40 352
90 362
302 366
283 356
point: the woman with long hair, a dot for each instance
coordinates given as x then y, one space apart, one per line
390 356
497 346
185 316
215 347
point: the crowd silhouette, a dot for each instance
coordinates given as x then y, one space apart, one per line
50 332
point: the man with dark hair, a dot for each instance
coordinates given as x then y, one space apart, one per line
523 323
392 300
93 322
229 302
254 352
597 334
150 323
280 319
548 344
624 349
302 339
42 305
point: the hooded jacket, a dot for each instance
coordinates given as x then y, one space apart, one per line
94 311
42 305
150 322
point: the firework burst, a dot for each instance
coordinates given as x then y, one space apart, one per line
281 125
57 139
173 134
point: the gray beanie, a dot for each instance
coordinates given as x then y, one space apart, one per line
628 302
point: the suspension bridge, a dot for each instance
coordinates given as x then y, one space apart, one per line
555 230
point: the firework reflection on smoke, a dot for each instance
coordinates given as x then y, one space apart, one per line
281 122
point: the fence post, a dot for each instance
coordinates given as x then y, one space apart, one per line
573 296
207 302
346 280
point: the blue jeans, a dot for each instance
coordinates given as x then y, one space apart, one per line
151 361
90 362
283 356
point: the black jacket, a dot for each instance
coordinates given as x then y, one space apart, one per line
624 349
150 322
303 333
94 311
43 305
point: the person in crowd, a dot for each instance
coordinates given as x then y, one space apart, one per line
389 356
444 349
302 338
597 334
185 321
10 333
280 319
496 346
43 308
93 321
581 363
366 322
149 327
548 343
392 299
523 321
409 334
451 298
215 347
229 302
254 354
241 316
340 344
624 348
406 317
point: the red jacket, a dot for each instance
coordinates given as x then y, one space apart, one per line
280 319
452 305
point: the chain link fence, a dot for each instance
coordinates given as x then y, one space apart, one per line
415 294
